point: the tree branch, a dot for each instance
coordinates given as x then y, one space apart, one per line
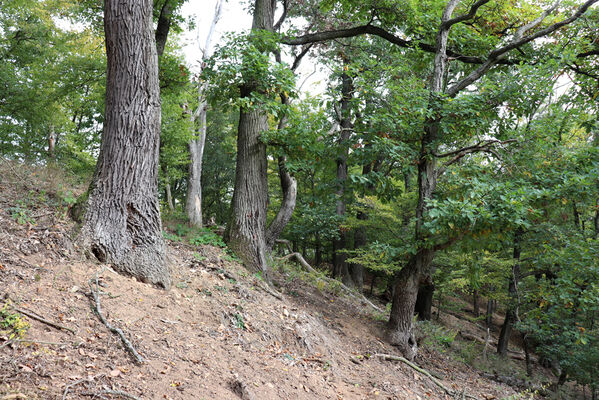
473 9
382 33
497 55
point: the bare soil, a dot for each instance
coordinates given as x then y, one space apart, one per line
217 334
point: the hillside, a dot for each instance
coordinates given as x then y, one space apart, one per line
217 334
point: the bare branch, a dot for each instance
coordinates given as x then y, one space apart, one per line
473 9
277 26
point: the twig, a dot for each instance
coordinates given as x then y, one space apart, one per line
119 393
426 373
39 342
98 309
72 385
348 291
30 314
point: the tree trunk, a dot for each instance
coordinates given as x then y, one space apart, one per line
246 230
169 197
404 301
512 309
193 200
246 233
122 223
406 290
357 270
490 311
318 251
424 299
51 142
341 267
164 25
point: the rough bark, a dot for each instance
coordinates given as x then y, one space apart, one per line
340 266
511 312
246 233
246 230
193 201
122 223
403 305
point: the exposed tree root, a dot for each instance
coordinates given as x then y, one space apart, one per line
437 382
98 310
348 291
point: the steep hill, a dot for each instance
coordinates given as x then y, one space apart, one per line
217 334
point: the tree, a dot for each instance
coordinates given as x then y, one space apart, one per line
435 133
193 204
122 224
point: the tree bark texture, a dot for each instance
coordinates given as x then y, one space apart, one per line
122 223
246 232
248 221
404 301
340 266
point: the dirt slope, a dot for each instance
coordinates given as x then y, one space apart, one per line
215 335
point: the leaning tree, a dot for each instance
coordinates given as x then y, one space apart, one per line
122 223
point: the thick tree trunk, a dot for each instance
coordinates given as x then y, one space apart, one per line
247 227
404 301
246 230
340 266
122 223
512 309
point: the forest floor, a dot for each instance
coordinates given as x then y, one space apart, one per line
217 334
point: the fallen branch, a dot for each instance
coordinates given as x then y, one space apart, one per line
98 310
426 373
348 291
226 274
39 342
30 314
119 393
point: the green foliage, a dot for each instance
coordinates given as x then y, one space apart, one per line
12 324
435 336
242 74
207 237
